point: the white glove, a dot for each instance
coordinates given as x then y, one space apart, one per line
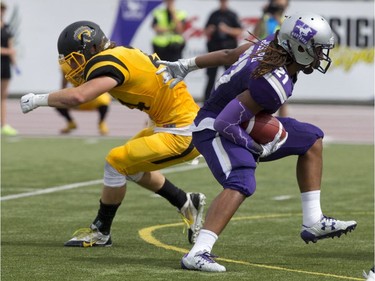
31 101
177 69
274 145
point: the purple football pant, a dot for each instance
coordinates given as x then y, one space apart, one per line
234 166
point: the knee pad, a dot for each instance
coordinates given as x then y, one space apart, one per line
112 178
135 177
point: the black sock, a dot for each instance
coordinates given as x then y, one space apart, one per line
175 196
65 113
106 214
102 112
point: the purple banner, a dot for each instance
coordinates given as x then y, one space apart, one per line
131 14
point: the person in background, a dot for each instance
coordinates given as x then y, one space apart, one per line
262 76
169 25
222 30
95 65
273 16
101 104
8 58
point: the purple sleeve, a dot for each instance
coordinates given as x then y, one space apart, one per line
227 123
264 95
271 90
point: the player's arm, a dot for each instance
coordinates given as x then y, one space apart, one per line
228 122
221 57
179 69
69 97
240 110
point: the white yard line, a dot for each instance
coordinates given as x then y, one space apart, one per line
88 183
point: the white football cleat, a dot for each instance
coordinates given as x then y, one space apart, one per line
325 228
201 261
192 214
89 237
370 276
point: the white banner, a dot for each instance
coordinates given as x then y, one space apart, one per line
38 23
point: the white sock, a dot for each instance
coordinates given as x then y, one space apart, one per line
311 207
205 241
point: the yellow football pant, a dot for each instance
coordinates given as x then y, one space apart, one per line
104 99
148 151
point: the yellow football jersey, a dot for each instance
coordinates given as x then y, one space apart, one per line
139 87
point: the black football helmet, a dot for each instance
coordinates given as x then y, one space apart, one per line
77 43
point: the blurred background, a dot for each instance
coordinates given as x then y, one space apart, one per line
37 24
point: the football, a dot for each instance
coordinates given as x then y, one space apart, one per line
263 128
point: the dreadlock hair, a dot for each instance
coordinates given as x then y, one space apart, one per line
270 57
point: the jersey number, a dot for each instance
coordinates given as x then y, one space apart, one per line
141 105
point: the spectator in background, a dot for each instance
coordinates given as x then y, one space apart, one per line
101 104
168 24
8 55
273 15
222 29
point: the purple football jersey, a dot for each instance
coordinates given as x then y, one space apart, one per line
269 91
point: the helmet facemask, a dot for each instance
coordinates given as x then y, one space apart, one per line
320 53
73 66
77 44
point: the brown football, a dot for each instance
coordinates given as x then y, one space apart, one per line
263 128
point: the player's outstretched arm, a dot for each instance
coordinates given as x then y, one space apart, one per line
179 69
69 97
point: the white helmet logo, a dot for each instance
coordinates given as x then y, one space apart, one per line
302 32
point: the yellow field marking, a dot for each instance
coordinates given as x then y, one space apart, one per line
147 235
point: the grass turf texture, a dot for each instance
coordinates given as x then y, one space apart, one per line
260 243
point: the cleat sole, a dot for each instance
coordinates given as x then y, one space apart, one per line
199 203
311 238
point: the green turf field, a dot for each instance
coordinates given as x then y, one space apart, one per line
261 243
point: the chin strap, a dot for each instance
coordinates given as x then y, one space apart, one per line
308 70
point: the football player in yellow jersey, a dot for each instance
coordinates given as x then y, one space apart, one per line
93 64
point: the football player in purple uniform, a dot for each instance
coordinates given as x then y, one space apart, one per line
261 78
